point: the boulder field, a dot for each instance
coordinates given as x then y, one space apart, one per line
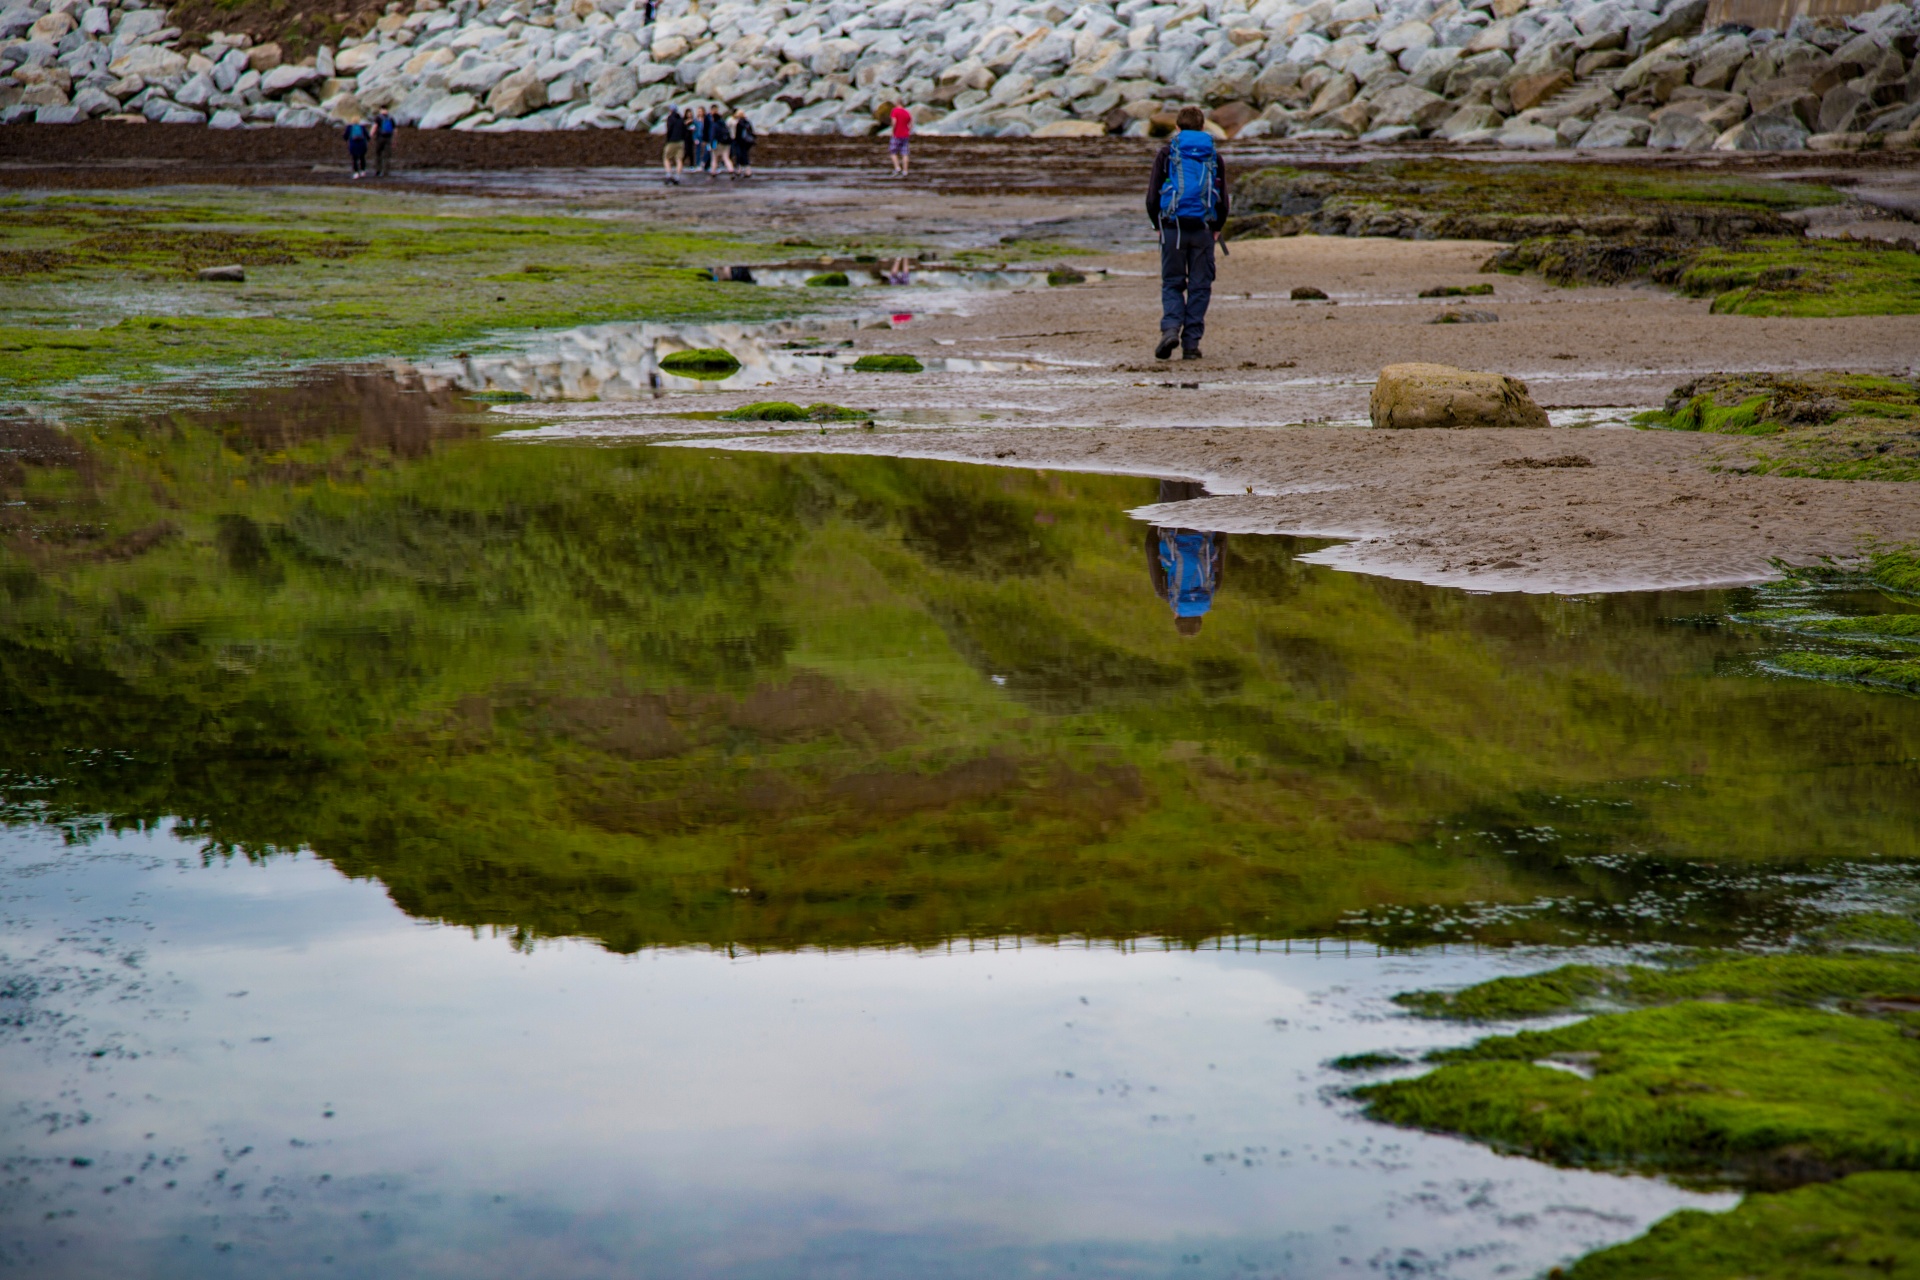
1594 74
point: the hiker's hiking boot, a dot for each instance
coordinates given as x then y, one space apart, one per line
1190 353
1168 341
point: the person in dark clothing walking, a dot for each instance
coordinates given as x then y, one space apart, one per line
674 157
1187 204
382 141
719 143
356 134
743 140
1185 565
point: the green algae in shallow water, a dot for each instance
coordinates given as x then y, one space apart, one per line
828 280
1058 278
1797 979
1737 1092
1901 674
787 411
1368 1062
877 363
1863 1227
1458 291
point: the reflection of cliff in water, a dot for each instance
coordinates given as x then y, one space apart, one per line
660 697
622 361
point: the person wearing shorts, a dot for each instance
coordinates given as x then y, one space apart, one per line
673 157
897 144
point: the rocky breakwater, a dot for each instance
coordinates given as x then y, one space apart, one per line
1529 73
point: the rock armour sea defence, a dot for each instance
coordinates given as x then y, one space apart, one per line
1595 74
1439 395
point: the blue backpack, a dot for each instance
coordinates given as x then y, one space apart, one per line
1188 190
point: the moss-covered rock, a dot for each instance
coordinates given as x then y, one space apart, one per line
881 363
828 280
701 362
1063 276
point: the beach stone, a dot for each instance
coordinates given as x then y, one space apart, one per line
1775 130
234 274
1469 120
264 58
94 102
1437 395
1679 131
59 113
1527 137
1614 130
148 61
1531 91
284 78
1071 129
226 118
612 87
446 111
1407 105
519 93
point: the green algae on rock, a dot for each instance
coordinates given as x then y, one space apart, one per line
1822 424
828 280
707 363
883 363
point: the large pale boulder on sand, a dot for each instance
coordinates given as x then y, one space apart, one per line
1439 395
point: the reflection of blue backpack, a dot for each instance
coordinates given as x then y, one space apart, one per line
1186 558
1188 190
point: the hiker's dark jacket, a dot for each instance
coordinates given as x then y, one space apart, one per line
676 127
1159 180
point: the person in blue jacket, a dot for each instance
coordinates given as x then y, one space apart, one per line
1187 204
1185 565
356 134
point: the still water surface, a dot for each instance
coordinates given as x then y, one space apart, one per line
426 855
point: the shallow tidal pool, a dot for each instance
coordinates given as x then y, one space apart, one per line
426 855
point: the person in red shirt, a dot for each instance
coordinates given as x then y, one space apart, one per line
897 144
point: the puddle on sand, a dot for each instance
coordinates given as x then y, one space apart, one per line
893 274
429 857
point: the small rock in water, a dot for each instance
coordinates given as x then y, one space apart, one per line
234 274
1307 293
1438 395
1465 317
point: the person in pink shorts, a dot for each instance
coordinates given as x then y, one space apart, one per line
897 144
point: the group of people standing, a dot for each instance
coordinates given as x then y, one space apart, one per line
710 140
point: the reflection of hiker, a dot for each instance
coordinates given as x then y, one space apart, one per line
382 141
673 157
1185 564
356 135
743 140
1187 204
901 139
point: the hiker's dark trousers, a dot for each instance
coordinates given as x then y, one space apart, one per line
1186 278
381 146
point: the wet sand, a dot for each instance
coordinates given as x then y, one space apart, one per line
1274 416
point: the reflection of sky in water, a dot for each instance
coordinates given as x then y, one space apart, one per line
574 1113
613 362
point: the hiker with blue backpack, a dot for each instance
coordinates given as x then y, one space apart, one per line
356 134
1187 204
